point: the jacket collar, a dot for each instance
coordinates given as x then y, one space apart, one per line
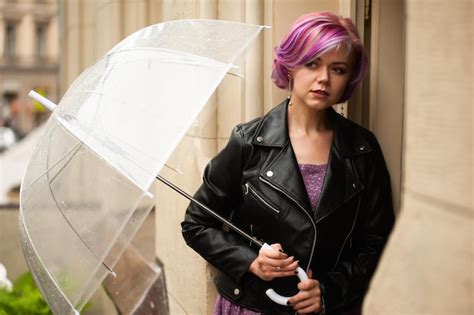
340 184
273 132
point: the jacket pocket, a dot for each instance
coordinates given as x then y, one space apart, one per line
266 205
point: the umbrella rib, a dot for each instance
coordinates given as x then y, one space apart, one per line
50 181
173 51
174 169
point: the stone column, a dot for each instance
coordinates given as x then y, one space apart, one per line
52 42
188 277
2 35
427 267
25 41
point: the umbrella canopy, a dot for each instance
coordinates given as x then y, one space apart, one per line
85 191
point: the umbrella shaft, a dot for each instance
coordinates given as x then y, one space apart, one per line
210 211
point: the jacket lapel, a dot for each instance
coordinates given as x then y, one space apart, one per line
340 184
284 173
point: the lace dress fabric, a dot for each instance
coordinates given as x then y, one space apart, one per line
313 177
226 307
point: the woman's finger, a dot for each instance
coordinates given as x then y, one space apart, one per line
308 284
300 297
274 263
309 289
314 308
305 304
271 272
272 254
284 267
292 266
277 247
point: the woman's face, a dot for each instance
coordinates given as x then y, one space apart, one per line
321 82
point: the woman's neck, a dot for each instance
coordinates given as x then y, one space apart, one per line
303 120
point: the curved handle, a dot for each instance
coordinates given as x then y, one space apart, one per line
275 297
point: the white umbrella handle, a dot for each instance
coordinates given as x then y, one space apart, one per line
277 298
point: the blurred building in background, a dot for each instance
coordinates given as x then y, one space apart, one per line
417 100
28 60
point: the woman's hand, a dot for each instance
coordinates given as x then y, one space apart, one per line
271 264
308 300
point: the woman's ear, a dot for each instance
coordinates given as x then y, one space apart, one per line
290 81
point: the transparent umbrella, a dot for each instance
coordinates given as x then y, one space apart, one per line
86 188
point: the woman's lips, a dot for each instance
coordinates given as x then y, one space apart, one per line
319 93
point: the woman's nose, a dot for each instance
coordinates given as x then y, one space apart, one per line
323 75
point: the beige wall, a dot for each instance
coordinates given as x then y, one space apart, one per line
387 85
428 265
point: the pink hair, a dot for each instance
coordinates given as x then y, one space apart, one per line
312 35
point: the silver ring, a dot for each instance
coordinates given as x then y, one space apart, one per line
277 268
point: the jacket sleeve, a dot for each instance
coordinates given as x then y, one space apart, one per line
221 192
347 283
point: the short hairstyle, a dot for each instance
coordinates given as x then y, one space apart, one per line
311 36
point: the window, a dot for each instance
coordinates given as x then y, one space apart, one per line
41 41
10 39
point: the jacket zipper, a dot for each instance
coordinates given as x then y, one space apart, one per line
254 192
348 237
304 211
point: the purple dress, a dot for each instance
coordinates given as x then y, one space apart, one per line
313 177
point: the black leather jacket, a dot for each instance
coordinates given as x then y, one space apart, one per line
255 181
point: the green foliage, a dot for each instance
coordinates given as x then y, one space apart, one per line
24 299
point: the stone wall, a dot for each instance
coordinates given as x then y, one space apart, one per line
428 265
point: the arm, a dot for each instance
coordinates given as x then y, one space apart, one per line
349 280
221 192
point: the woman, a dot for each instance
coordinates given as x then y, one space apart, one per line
302 178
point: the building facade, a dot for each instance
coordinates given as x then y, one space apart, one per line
29 58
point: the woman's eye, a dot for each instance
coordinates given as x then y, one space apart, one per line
311 64
339 70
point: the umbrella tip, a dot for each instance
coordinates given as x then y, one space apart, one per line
43 100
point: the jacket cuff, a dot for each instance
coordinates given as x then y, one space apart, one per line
250 257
